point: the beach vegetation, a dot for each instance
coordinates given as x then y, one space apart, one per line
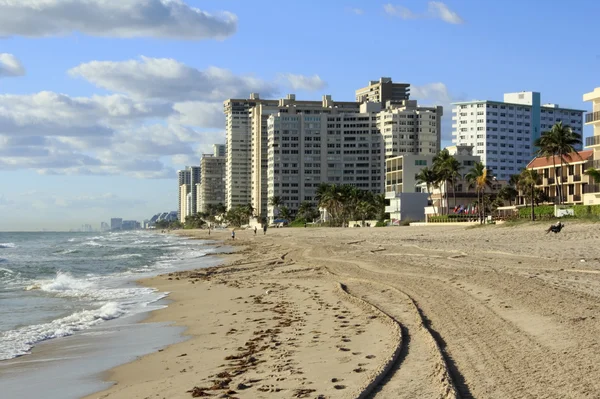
527 181
345 202
559 142
480 178
429 177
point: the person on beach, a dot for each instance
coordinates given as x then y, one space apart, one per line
255 230
265 229
233 234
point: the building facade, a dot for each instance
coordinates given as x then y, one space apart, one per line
408 128
591 195
212 189
382 91
305 150
570 179
503 133
219 150
116 223
184 190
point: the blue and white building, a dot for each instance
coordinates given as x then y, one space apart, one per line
502 133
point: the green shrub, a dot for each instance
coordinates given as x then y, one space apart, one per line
381 223
540 211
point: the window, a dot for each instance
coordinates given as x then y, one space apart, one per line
420 162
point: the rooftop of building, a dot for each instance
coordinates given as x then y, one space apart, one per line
545 106
593 95
574 157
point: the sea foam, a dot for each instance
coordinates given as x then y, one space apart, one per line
20 341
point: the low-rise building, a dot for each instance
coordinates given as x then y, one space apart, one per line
570 177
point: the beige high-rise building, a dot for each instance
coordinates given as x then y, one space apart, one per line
246 166
212 189
410 129
306 150
382 91
184 190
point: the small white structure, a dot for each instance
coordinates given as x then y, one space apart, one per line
406 206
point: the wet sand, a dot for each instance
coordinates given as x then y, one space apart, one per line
407 312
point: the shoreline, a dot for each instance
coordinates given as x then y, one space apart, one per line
386 313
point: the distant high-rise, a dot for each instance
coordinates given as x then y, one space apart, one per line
116 223
219 150
382 91
184 190
190 176
212 188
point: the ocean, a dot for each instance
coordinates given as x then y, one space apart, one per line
78 292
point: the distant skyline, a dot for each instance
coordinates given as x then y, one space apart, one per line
102 102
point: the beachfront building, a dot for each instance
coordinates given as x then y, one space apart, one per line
219 150
212 189
246 131
382 91
502 133
401 177
305 150
569 179
184 190
591 194
408 128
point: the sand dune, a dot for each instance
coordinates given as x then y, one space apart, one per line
419 312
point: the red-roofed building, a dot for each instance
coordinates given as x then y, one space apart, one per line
573 180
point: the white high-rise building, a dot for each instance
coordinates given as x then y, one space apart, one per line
306 150
503 133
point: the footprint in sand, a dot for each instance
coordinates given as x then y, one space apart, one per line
370 357
339 386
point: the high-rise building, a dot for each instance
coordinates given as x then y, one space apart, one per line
246 166
503 133
104 226
410 129
184 178
382 91
184 190
116 223
212 189
219 150
195 176
305 150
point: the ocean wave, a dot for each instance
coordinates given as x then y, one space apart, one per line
7 245
19 342
66 251
92 243
67 286
2 269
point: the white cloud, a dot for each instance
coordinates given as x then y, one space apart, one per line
10 66
436 94
399 11
435 10
357 11
166 78
302 82
172 19
199 113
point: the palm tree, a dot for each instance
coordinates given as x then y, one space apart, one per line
285 213
453 168
480 178
594 174
430 178
560 141
440 166
276 202
527 181
508 193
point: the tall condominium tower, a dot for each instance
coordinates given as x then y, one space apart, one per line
382 91
219 150
502 133
212 188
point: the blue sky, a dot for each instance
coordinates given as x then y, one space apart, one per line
100 105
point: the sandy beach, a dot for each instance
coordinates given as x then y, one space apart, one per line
407 312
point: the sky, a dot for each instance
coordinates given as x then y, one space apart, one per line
101 102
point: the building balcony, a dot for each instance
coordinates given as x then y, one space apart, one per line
591 189
577 178
592 141
550 180
577 198
592 117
